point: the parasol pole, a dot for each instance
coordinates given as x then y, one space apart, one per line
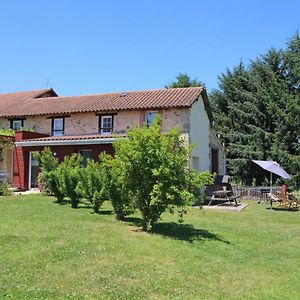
271 193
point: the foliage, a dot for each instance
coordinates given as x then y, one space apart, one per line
48 164
150 170
69 177
90 184
4 189
5 141
7 132
55 183
116 185
158 172
257 113
183 80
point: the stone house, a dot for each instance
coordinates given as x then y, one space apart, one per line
90 124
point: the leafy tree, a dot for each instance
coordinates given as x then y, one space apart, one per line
183 80
257 111
157 171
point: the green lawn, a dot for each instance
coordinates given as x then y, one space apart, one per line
50 251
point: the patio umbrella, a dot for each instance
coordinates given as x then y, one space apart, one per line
272 167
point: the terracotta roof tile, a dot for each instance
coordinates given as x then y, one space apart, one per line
74 137
28 104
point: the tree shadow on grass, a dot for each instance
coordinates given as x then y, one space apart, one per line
105 212
84 205
282 209
182 232
69 202
63 202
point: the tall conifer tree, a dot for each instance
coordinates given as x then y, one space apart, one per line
257 112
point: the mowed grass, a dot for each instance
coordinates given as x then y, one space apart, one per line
50 251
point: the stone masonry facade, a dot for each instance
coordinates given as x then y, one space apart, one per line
88 123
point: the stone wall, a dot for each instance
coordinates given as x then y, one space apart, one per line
175 117
88 123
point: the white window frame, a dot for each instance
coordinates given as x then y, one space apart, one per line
155 112
58 132
30 165
103 129
16 121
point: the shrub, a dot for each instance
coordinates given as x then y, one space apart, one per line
4 189
48 163
69 177
54 181
90 184
116 186
158 172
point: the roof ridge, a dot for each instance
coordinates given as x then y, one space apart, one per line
116 101
27 92
129 91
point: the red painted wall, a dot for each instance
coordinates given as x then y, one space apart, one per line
21 159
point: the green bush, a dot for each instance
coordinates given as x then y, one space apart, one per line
90 184
69 178
158 172
116 186
200 200
48 163
54 182
4 189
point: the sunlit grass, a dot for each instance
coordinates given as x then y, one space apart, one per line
55 252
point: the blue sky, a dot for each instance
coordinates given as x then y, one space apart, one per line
88 47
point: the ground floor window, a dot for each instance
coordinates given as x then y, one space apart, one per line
86 154
33 171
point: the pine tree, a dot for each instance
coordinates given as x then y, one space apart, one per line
183 80
257 111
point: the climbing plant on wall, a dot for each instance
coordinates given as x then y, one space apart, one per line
5 139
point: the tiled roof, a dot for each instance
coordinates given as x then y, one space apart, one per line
94 139
28 104
75 137
13 101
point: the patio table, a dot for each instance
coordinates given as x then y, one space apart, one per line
223 196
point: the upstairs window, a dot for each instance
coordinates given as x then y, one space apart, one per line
16 124
150 116
106 124
58 126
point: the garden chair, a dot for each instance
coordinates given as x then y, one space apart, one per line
284 200
293 201
278 197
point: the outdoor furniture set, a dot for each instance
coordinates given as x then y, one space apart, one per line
221 192
284 200
224 196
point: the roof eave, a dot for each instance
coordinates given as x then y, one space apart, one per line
44 143
207 105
